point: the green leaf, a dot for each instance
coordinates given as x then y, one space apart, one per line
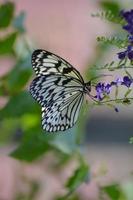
6 14
6 44
113 191
35 143
18 105
80 176
111 5
118 42
18 76
108 15
32 149
18 22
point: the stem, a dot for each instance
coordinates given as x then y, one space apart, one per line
113 100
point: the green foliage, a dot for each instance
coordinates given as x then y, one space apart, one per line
109 16
32 149
79 176
120 43
19 105
20 117
6 44
114 6
6 14
114 192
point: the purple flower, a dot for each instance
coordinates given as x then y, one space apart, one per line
101 90
107 88
127 53
130 38
121 55
128 16
129 28
116 109
127 81
117 82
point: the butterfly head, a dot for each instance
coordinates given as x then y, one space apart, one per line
87 87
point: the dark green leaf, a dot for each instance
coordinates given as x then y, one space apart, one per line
114 6
113 191
35 143
80 175
116 41
6 14
32 149
18 105
18 22
6 44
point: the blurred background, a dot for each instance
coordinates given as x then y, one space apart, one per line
91 161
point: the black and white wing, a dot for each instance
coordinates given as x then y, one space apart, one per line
58 88
61 99
44 63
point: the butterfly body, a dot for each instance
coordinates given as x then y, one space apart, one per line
59 89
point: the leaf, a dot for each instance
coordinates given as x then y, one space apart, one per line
18 76
80 175
34 143
18 22
110 16
111 5
32 149
118 42
113 191
6 14
18 105
6 44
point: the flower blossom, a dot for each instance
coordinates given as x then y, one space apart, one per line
128 16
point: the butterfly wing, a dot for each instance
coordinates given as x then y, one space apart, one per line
63 116
61 98
44 63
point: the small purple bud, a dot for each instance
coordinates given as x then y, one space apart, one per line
130 38
121 55
130 55
116 109
127 81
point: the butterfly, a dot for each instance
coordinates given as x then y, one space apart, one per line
59 89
